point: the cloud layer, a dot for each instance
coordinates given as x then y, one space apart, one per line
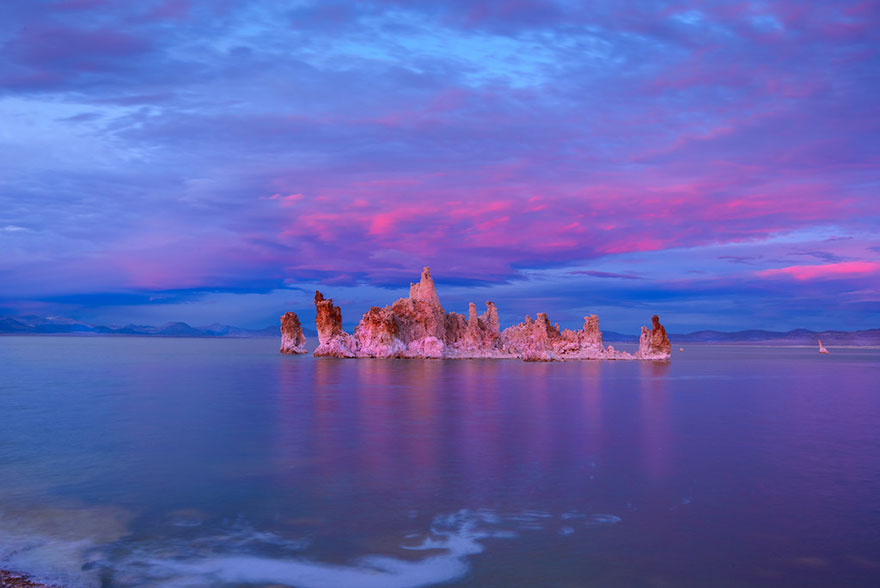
579 155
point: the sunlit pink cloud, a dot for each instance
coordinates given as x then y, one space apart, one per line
823 271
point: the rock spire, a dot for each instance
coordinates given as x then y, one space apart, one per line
292 338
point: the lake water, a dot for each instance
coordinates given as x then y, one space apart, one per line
197 462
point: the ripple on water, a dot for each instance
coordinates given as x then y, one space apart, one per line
88 547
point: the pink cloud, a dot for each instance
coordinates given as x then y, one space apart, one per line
828 270
285 201
438 218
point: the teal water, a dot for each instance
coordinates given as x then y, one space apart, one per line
197 462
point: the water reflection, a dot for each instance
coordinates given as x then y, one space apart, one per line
654 408
229 460
470 432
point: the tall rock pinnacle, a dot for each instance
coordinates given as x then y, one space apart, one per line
425 290
292 339
654 344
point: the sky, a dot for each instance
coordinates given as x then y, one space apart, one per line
717 163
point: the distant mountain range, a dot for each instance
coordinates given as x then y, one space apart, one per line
37 325
754 336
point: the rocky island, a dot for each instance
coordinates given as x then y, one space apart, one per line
418 327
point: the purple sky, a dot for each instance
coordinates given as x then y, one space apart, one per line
715 162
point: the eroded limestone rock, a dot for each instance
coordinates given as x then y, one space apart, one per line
418 326
332 340
539 341
292 338
653 343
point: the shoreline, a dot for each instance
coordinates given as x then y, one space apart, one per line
12 579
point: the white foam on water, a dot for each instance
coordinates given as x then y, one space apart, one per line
373 572
52 544
454 536
573 515
241 536
602 519
591 520
235 555
48 560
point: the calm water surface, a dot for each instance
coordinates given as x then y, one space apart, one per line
193 462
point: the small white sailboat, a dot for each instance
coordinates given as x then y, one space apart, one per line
822 347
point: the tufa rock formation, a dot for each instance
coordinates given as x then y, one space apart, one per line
654 344
539 341
417 326
332 340
292 338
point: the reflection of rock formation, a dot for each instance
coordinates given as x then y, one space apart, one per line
292 338
654 344
417 326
